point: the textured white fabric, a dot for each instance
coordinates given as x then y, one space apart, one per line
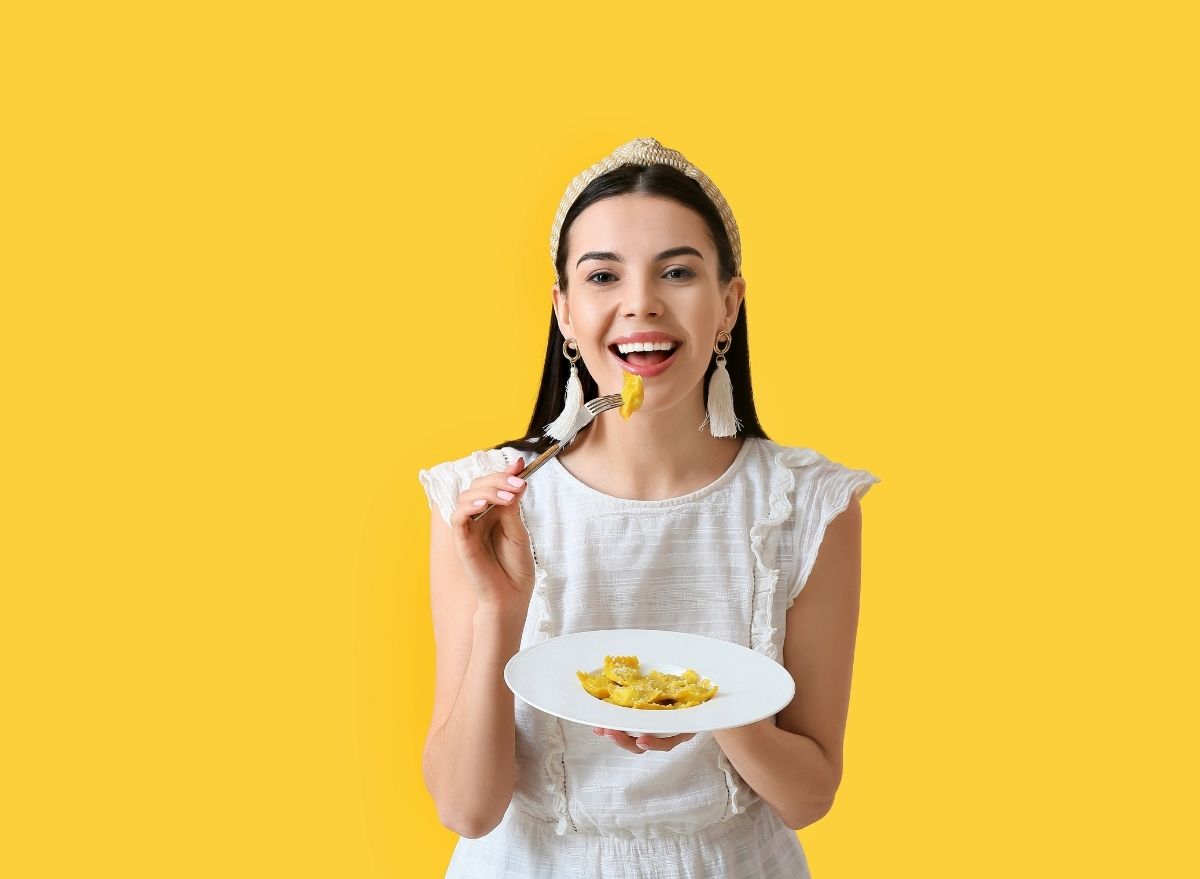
725 561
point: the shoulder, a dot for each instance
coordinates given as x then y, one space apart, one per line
473 465
826 497
444 481
779 456
813 474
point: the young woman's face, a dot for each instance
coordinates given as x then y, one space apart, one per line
640 265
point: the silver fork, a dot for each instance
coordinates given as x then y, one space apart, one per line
590 410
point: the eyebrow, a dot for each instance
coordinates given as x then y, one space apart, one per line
616 257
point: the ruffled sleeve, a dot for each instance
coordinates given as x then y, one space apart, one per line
765 535
823 490
444 482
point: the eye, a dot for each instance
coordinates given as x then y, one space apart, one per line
684 271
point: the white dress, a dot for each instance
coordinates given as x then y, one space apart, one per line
725 561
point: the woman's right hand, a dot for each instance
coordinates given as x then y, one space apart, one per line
495 550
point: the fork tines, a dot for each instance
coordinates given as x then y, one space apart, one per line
599 404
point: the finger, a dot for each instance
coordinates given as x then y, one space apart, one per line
504 523
474 499
470 503
506 480
622 740
653 743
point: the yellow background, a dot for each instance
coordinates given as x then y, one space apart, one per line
261 263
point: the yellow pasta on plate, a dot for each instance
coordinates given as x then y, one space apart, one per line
622 683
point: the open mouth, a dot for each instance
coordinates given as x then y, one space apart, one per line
645 353
647 359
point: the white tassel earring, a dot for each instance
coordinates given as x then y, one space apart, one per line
563 427
721 420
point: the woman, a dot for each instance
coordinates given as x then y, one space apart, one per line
641 523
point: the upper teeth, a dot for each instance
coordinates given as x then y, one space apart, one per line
626 347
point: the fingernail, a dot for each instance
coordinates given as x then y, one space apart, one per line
515 482
505 495
478 503
642 745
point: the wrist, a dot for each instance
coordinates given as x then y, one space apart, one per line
501 616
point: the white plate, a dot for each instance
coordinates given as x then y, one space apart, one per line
750 686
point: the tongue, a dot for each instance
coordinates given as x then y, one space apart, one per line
647 358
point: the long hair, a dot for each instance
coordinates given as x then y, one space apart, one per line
662 181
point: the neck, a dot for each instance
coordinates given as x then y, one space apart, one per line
652 456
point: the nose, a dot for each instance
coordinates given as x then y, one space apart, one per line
642 299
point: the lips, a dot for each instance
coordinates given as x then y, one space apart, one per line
646 371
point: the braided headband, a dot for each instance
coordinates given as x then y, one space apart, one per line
647 151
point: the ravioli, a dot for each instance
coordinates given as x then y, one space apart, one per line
633 392
621 683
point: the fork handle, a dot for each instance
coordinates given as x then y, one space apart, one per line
525 474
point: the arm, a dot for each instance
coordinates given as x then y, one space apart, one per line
796 764
470 753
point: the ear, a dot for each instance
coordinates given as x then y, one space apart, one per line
734 294
562 310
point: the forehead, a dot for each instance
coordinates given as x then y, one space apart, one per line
636 226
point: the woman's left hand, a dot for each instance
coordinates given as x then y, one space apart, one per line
642 744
